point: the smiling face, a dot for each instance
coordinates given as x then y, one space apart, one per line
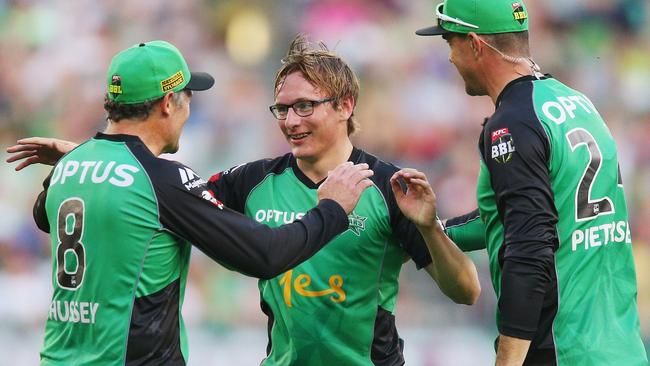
313 137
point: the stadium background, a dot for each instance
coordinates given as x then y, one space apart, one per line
412 108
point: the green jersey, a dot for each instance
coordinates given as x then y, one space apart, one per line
551 197
121 222
338 307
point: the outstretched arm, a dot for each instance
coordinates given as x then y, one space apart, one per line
38 150
239 242
454 272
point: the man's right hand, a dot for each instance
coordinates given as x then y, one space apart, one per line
38 150
345 184
418 203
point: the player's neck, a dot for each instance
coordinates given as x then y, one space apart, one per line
143 129
316 169
500 75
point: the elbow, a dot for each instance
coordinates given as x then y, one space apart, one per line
267 262
263 276
271 269
268 273
264 270
39 213
471 295
468 296
470 288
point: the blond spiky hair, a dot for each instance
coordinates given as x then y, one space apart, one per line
323 69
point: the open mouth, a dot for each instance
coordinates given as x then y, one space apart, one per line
298 136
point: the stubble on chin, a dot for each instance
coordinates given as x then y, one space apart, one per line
170 149
474 91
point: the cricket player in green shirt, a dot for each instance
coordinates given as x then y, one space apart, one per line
551 197
122 222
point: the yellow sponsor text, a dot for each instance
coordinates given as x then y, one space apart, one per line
172 81
115 89
520 15
303 281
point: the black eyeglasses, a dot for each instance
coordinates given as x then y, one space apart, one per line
303 108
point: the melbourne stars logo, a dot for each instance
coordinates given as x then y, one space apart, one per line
357 223
519 13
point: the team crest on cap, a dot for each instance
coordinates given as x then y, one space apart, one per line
519 13
116 85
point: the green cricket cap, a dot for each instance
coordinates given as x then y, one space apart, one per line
148 71
478 16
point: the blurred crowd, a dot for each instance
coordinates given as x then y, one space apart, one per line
412 108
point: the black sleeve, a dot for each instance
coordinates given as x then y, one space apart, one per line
516 153
232 186
190 211
39 213
229 187
404 230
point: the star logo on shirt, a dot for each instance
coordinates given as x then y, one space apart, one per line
357 223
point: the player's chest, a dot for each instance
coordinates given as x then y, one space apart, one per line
276 202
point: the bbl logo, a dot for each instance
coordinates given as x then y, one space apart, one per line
502 145
116 85
519 13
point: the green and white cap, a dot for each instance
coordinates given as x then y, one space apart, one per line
148 71
478 16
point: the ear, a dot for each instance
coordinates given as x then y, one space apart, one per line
475 44
166 104
346 106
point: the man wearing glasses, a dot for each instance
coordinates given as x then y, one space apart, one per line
551 196
338 308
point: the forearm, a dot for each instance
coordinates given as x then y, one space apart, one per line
526 280
511 351
253 248
38 212
466 231
452 270
320 225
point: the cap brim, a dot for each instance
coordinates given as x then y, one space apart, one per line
200 81
431 31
